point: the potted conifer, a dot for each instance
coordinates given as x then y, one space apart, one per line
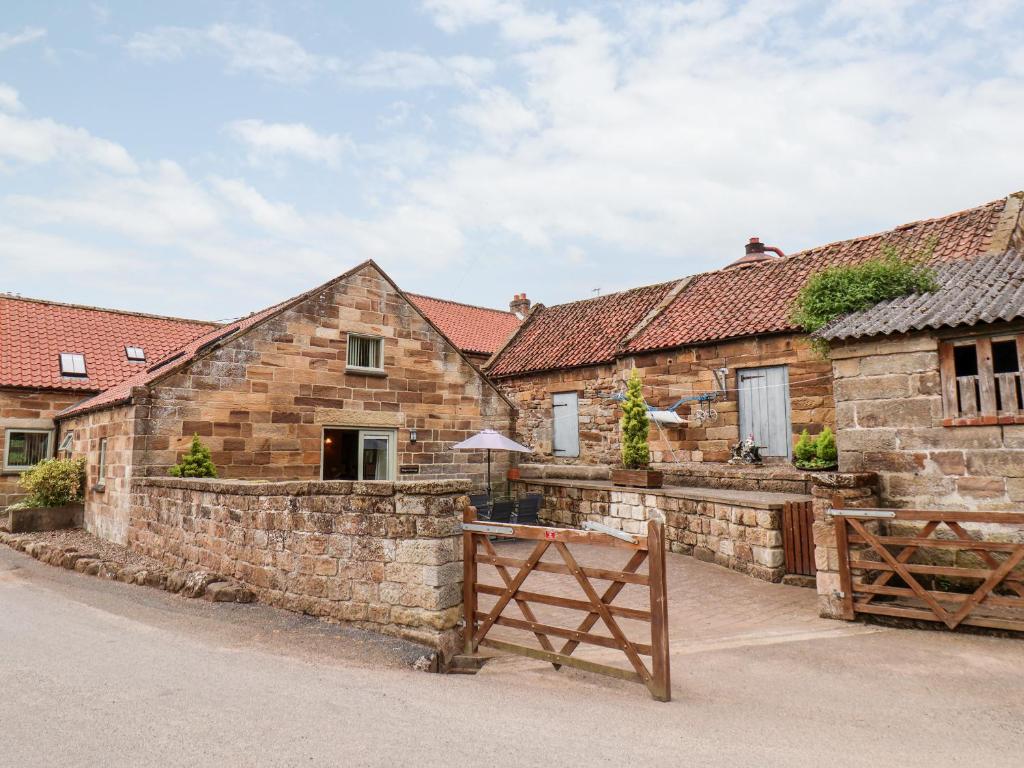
636 454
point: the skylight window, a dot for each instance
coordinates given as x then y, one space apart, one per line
72 364
135 354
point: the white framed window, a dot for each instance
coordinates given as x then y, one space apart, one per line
348 453
24 448
365 353
72 364
67 442
101 473
135 354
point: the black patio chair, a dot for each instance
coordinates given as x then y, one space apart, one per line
501 511
528 509
482 504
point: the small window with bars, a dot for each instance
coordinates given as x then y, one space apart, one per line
365 353
24 448
72 364
135 354
981 380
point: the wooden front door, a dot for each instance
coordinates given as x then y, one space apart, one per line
764 408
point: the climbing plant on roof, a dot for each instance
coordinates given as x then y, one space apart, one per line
837 291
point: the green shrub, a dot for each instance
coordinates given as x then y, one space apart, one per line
195 463
54 483
804 449
825 447
636 454
840 290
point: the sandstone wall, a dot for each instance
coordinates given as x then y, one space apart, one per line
385 556
741 531
107 505
260 401
667 376
27 409
889 417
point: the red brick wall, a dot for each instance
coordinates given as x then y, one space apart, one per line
667 376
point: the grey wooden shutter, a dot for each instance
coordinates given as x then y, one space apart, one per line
764 408
565 431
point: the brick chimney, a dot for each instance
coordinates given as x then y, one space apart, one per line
519 306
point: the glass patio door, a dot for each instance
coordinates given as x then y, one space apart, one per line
375 455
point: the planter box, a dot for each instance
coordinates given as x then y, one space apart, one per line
45 518
638 478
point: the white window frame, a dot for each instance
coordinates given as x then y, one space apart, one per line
140 358
8 467
101 474
70 370
379 340
68 442
391 435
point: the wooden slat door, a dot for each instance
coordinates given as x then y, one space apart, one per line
764 408
798 537
565 427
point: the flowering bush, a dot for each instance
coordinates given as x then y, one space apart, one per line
53 483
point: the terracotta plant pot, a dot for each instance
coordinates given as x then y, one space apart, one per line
638 478
512 474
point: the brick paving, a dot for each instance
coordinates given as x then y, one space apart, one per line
710 607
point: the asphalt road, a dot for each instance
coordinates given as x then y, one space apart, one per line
100 673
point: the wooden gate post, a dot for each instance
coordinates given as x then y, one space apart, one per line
469 581
661 683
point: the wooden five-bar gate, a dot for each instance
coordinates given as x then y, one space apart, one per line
878 573
599 606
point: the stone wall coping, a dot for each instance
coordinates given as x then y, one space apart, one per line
308 487
754 499
771 471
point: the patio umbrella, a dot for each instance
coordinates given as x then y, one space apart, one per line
490 440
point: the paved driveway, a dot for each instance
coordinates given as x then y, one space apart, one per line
100 673
710 608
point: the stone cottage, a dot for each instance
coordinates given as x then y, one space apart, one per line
727 331
928 389
53 355
348 381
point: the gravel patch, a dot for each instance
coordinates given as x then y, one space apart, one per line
79 540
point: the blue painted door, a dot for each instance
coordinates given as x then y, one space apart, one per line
764 408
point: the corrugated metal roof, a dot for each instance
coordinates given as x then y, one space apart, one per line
986 289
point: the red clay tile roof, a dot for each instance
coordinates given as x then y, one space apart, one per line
731 303
33 334
173 360
757 299
581 333
472 329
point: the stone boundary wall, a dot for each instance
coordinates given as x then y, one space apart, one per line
383 556
734 529
858 489
772 478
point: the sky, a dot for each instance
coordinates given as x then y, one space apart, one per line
207 159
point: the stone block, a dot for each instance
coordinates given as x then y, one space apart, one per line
768 556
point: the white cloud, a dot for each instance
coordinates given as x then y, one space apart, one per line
27 35
35 141
160 205
244 49
265 141
410 70
9 101
277 217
